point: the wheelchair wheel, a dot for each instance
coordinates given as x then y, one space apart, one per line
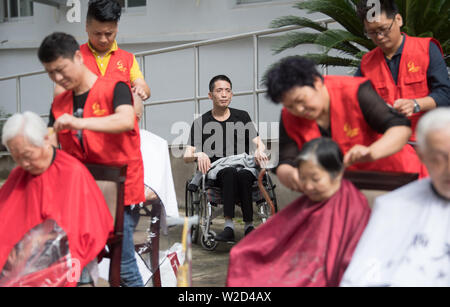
208 241
192 208
264 211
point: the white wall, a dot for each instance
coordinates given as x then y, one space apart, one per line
162 23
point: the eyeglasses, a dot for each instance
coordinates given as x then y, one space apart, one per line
381 32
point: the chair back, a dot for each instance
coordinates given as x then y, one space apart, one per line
111 181
384 181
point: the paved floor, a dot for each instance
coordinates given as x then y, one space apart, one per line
209 268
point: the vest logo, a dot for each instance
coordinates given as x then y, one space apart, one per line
97 110
350 132
121 67
412 67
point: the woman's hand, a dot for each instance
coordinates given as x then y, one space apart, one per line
358 154
289 177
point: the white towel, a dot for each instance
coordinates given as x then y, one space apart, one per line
157 170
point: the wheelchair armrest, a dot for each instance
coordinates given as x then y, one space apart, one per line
195 182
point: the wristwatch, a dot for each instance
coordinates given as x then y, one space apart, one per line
416 107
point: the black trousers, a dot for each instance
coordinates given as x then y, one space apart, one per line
236 186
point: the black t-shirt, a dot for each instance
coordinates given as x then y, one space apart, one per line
378 114
222 139
122 96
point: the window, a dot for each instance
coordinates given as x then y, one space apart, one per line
250 1
17 8
132 3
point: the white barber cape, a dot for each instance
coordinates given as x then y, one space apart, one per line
406 242
157 170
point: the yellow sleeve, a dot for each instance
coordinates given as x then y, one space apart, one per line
135 72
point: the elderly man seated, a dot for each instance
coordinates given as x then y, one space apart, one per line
54 217
407 240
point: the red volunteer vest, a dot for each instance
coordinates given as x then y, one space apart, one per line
349 128
104 148
119 65
412 77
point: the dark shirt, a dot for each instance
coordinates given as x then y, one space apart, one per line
222 139
437 74
378 115
122 96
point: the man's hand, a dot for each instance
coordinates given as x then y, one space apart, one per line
140 88
261 158
358 154
67 121
404 106
203 161
140 91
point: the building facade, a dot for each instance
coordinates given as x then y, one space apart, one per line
175 76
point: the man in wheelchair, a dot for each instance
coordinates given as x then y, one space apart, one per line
228 134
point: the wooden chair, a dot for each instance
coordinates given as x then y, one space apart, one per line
111 181
384 181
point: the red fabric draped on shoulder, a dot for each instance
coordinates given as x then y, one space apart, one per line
305 244
65 193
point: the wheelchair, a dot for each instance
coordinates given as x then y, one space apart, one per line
203 199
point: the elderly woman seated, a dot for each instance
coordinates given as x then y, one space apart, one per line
310 242
54 217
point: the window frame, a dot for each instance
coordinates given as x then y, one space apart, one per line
126 8
236 4
254 2
7 12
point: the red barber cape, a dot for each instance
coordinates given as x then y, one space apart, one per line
305 244
65 193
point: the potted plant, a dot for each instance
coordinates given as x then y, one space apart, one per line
421 18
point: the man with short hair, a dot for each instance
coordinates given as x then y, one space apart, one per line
95 121
226 132
52 189
407 240
102 55
408 72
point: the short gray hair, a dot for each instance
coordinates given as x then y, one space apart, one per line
436 119
28 124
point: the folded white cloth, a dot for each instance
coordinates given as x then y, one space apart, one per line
158 171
